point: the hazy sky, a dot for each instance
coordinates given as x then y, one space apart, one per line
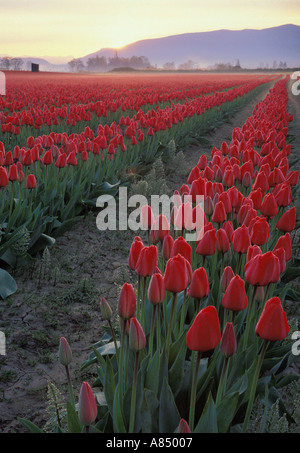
76 27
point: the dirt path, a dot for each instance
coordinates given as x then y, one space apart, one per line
60 297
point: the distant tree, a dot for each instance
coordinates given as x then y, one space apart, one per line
76 65
187 65
6 62
169 65
275 66
17 64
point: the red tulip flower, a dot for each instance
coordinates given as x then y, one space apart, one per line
207 245
176 277
135 251
263 269
182 247
286 243
127 302
31 182
272 324
3 177
199 286
228 344
260 232
287 221
87 407
241 239
205 333
156 289
235 297
147 261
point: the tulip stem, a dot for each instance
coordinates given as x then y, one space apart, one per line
249 317
114 338
254 384
133 394
223 380
138 297
170 325
143 314
183 310
152 331
194 392
70 387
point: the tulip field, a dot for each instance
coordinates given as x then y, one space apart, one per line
201 333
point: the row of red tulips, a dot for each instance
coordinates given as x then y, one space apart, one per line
206 320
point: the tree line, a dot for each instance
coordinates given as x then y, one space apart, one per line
102 64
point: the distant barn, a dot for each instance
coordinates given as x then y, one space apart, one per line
35 67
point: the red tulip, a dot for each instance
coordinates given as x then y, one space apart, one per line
167 246
252 251
183 427
176 277
13 173
223 244
3 177
127 302
227 275
286 243
31 182
205 333
241 239
228 344
147 261
137 338
235 297
263 269
87 407
134 252
219 214
272 324
269 206
207 245
260 232
287 221
199 286
48 157
156 289
180 245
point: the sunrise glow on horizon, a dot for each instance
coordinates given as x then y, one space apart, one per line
76 28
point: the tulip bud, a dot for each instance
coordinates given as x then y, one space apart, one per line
183 427
105 309
235 297
64 352
156 289
228 344
127 302
137 339
272 324
205 333
227 275
87 407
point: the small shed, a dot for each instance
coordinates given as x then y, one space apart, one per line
35 67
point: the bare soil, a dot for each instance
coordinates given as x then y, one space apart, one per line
59 296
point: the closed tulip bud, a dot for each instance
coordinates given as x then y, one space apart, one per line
176 277
287 221
137 339
87 406
183 427
228 344
207 245
127 302
147 261
31 182
272 324
227 275
13 173
167 246
64 352
181 246
208 206
47 158
252 251
219 214
223 244
105 309
235 297
260 232
205 333
160 228
269 206
259 295
134 252
156 289
241 239
285 242
199 286
3 177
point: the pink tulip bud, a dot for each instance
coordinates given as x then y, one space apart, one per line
137 339
87 407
